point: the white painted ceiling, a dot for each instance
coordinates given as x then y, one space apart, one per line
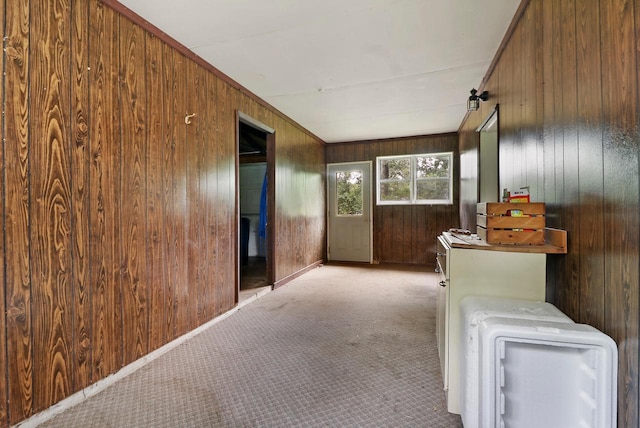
346 69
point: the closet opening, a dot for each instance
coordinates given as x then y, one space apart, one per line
254 195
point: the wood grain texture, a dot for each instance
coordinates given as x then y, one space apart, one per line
403 234
4 411
299 222
156 197
591 175
225 138
180 207
80 188
586 158
228 170
171 116
133 204
17 221
205 129
104 193
212 141
50 209
569 295
548 134
195 247
121 217
539 140
621 207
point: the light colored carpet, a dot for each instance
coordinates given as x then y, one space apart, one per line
338 347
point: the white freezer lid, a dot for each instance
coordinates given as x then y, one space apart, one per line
474 309
576 364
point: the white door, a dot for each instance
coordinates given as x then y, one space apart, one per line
349 205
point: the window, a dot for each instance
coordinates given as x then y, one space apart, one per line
415 179
349 193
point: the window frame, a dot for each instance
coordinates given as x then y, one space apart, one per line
414 180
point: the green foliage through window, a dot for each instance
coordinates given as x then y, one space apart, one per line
349 192
415 179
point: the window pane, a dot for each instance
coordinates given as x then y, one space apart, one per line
395 191
395 169
432 166
432 189
415 179
349 192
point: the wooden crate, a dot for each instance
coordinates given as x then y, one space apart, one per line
496 226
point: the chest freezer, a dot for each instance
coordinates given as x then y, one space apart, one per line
546 374
474 310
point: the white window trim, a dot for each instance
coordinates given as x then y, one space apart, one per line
413 200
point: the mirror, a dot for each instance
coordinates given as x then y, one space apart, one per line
488 169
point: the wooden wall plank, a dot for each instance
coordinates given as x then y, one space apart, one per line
180 213
621 208
17 220
156 197
591 176
4 411
504 147
397 233
133 203
193 151
212 141
539 76
222 177
229 180
79 116
170 120
555 215
50 209
298 222
529 175
548 133
283 198
569 288
419 243
206 128
104 193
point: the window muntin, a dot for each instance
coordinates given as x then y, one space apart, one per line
415 179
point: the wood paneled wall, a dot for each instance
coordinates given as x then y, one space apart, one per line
567 87
402 233
119 219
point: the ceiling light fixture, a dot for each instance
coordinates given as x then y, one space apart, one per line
473 103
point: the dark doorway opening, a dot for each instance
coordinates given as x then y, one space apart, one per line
254 193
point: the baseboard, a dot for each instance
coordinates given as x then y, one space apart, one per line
295 275
102 384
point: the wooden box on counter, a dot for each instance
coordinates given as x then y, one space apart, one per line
496 226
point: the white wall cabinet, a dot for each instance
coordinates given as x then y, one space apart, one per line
476 272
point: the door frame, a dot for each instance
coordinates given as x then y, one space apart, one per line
370 169
271 199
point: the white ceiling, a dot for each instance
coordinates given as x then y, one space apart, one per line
346 69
